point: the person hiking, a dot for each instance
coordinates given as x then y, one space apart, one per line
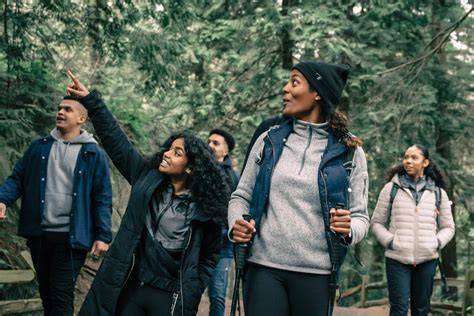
413 221
222 143
304 206
66 204
169 240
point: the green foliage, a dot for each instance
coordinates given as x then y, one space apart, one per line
164 66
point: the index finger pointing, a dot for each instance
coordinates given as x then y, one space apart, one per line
70 75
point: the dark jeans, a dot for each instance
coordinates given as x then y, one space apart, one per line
277 292
57 266
218 287
410 283
140 300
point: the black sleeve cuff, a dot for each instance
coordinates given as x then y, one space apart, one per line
92 101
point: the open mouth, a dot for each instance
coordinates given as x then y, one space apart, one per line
164 163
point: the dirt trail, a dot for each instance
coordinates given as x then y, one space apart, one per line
339 311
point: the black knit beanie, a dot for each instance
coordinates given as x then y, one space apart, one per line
327 79
229 139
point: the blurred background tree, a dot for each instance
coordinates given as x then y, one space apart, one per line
164 66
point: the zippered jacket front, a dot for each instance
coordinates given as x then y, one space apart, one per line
203 240
412 233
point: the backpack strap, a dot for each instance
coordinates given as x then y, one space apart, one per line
393 193
437 192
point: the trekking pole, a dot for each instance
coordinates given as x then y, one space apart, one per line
336 254
240 256
446 291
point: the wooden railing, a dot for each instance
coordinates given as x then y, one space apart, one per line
466 284
20 277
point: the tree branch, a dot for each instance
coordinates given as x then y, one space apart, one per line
453 27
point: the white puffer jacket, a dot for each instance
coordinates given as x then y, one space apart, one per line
416 232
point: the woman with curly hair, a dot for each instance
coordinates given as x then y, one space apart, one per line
169 240
413 221
295 185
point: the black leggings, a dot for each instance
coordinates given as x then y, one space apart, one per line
142 300
275 292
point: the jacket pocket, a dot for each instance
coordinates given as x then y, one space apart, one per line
428 246
399 245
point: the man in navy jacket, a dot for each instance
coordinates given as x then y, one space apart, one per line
66 204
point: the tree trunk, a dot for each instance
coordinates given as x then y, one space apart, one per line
443 147
95 39
5 34
286 41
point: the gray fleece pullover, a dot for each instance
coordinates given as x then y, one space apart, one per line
291 235
60 180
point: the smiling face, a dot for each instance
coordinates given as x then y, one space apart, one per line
71 116
414 162
175 160
298 100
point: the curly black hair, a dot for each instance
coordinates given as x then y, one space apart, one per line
338 123
432 171
208 188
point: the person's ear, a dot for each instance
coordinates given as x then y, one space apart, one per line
426 163
82 119
226 149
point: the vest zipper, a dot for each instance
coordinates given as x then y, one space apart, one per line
325 194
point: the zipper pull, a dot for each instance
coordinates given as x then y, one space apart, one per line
414 264
173 304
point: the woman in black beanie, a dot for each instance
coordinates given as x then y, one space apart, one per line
305 186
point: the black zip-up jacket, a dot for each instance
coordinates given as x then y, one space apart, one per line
203 241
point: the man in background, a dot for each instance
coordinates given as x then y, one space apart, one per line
222 143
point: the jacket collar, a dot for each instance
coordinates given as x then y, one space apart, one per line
227 162
278 135
430 184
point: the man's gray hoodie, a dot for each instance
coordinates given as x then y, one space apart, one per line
60 180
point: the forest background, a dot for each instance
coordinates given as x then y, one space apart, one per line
164 66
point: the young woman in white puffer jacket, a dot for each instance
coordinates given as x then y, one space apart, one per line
412 230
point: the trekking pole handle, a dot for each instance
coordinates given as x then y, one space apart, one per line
241 249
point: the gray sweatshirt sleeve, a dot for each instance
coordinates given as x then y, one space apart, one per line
358 196
240 200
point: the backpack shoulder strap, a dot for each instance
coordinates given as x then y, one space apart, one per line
393 193
438 198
